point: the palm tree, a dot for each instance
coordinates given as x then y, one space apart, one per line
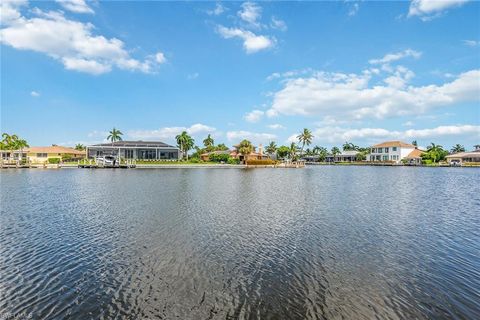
208 142
271 148
185 143
414 142
79 147
293 151
115 135
435 151
335 151
20 144
305 138
245 148
457 148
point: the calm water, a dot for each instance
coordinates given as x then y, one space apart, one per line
317 243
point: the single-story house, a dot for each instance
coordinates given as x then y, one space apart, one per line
206 156
414 157
41 154
464 157
236 155
345 156
139 150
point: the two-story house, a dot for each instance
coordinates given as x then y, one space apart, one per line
390 151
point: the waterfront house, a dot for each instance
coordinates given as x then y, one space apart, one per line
138 150
390 151
236 155
464 157
206 156
345 156
414 157
40 155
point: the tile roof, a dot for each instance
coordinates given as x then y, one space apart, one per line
416 153
53 149
472 154
138 144
394 144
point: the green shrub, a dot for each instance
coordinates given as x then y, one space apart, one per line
219 157
54 160
233 161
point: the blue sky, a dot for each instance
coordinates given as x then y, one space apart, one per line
362 72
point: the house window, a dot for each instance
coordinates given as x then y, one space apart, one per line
129 153
380 150
394 148
385 158
374 150
386 150
42 155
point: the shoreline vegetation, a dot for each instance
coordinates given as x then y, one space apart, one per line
244 155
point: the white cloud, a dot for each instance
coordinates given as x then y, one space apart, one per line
254 116
193 76
218 10
429 9
254 137
160 58
169 133
357 96
391 57
251 42
250 13
10 10
353 9
35 94
77 6
374 135
70 42
471 43
276 126
98 134
407 124
278 24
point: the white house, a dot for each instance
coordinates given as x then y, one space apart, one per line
390 151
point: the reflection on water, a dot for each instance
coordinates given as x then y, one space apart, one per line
314 243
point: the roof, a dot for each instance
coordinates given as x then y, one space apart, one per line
349 153
394 144
415 154
54 149
472 154
133 144
216 152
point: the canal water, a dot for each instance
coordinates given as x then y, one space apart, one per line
324 242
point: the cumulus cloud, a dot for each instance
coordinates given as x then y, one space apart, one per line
35 94
218 10
275 126
251 42
254 137
70 42
471 43
250 13
169 133
429 9
353 9
391 57
254 116
193 76
278 24
77 6
374 135
358 96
